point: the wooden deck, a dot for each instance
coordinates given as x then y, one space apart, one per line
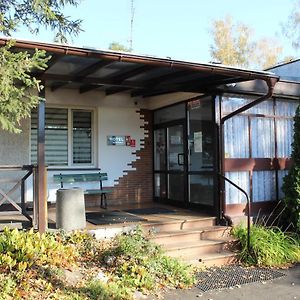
16 220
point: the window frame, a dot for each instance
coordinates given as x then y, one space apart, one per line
70 163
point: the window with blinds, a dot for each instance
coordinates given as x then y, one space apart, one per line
61 126
82 137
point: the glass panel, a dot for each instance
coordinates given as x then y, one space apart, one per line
160 185
284 132
175 112
265 107
56 136
175 148
236 137
160 149
262 140
264 187
232 103
82 137
233 195
281 175
202 189
286 108
201 135
176 187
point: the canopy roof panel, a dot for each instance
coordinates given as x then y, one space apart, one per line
114 72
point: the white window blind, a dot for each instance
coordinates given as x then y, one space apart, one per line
58 131
82 137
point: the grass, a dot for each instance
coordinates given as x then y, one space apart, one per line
270 246
34 266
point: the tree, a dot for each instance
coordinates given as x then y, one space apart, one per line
18 89
291 182
291 28
118 47
233 45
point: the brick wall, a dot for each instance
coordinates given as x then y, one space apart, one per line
136 184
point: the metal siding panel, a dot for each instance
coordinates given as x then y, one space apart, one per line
233 195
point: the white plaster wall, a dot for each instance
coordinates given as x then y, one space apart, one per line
114 115
14 150
121 121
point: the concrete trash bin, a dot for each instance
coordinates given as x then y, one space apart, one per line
70 209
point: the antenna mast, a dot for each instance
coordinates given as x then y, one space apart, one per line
131 25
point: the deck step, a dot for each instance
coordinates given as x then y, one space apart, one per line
183 224
190 235
197 249
215 259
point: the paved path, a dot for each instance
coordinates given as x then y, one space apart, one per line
284 288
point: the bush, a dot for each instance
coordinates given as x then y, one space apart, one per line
20 250
141 265
34 266
291 182
269 246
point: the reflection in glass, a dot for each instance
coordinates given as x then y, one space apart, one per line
201 134
202 189
160 185
159 150
175 148
172 113
176 187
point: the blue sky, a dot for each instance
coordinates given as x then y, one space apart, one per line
175 28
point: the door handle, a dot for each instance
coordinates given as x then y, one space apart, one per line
180 159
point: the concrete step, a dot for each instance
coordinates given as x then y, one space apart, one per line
215 259
195 250
173 225
191 235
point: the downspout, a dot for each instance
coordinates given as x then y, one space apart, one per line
271 82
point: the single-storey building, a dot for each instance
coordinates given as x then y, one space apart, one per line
163 130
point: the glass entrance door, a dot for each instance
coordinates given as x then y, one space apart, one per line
176 163
170 163
184 154
201 153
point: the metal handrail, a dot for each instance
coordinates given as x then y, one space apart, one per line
248 208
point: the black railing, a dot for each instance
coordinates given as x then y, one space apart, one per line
248 208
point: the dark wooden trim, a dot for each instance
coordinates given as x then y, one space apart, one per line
41 167
284 163
256 207
256 164
115 90
89 87
122 76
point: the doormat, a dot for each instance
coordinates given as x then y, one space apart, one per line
150 211
233 276
112 217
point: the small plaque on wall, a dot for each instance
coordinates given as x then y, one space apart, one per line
118 140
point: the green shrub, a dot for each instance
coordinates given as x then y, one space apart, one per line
269 246
20 250
141 265
291 182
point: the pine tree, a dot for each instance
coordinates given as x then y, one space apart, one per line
18 89
291 182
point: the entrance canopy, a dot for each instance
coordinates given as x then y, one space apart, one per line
141 76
